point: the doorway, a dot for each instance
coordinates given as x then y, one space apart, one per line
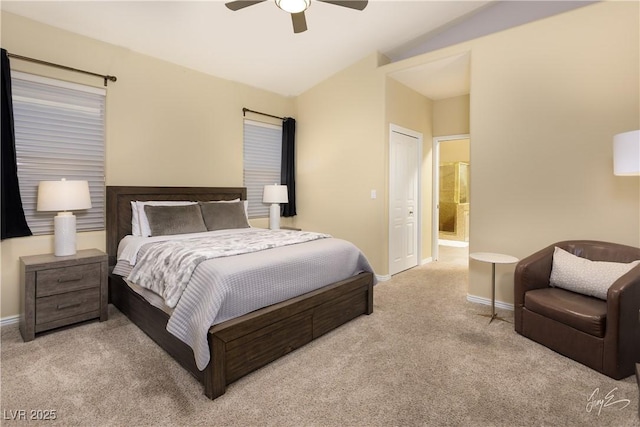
405 148
451 198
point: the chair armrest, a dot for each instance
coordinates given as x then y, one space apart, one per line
532 272
622 337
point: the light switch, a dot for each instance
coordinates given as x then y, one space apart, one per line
374 194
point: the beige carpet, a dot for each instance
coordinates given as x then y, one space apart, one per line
424 357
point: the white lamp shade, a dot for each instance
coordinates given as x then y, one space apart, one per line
626 153
293 6
63 195
275 194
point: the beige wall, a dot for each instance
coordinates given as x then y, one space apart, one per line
457 150
411 110
546 100
165 124
451 116
341 157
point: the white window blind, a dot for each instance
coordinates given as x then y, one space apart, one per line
262 158
59 128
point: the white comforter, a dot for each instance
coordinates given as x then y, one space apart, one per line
223 288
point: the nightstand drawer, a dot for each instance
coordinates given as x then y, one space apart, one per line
49 309
61 280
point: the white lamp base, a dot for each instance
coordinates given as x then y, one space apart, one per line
64 225
274 216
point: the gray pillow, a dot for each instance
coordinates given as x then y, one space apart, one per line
222 216
165 220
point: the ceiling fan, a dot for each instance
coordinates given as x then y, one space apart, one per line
296 8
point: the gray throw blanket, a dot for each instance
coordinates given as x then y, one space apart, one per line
166 267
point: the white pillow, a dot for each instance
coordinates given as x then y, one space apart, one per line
139 217
135 221
584 276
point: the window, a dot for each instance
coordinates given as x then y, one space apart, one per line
262 158
59 128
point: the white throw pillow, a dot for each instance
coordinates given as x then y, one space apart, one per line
584 276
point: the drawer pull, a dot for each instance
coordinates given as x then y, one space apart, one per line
70 279
69 305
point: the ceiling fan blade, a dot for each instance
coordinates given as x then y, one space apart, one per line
299 22
241 4
351 4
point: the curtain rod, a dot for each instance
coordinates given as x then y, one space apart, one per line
64 67
245 110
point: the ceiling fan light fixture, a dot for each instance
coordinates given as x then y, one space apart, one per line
293 6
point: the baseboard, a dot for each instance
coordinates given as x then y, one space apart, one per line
11 320
383 278
426 261
454 243
487 301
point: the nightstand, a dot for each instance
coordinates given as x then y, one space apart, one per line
58 291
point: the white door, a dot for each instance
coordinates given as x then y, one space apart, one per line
404 161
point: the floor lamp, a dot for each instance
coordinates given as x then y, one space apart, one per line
626 153
64 196
275 194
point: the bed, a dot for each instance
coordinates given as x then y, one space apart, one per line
243 344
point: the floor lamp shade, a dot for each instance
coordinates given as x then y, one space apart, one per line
64 196
275 194
626 153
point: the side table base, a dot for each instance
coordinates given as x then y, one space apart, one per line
493 316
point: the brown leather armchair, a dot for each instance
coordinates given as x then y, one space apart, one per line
603 335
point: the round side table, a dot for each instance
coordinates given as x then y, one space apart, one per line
494 259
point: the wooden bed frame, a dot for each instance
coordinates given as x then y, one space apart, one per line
242 345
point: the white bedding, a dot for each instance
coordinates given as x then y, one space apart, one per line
224 288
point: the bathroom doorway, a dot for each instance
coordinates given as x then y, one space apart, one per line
451 192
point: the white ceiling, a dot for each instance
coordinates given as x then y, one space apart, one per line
445 78
257 46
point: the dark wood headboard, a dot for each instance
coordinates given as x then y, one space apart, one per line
118 210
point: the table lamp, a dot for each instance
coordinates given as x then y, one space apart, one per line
275 194
64 196
626 153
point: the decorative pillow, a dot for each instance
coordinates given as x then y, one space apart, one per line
246 205
584 276
221 216
138 213
165 220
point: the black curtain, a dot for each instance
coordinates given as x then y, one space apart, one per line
288 173
13 221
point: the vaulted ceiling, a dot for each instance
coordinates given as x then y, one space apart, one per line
256 45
